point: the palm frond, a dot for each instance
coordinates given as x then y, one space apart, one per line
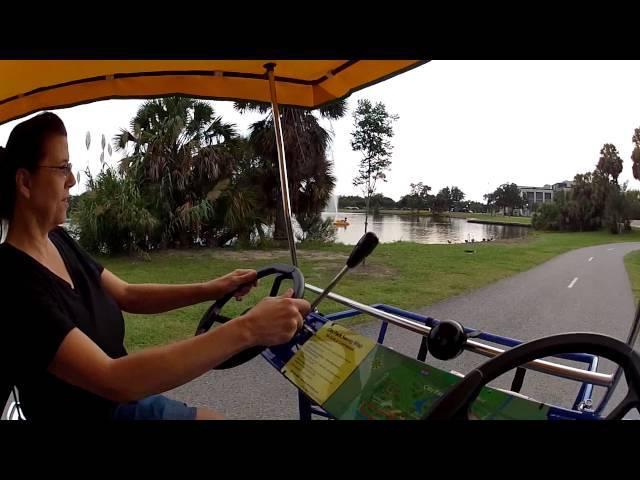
247 106
334 110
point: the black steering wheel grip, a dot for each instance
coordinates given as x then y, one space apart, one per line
212 315
456 402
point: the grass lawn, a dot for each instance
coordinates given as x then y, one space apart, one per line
407 275
632 263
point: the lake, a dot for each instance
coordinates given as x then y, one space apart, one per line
408 228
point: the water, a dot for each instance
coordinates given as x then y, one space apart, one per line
392 228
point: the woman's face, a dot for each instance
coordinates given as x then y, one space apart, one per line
50 183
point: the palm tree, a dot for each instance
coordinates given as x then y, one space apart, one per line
180 151
240 208
309 170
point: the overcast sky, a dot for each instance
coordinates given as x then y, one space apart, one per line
473 124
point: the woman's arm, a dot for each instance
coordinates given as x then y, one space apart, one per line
79 361
158 298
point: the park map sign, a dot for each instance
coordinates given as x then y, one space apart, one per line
354 378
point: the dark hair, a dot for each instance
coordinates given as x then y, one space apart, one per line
25 149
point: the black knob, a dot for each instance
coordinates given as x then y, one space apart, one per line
446 340
363 248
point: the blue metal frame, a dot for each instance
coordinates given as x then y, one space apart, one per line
585 393
278 356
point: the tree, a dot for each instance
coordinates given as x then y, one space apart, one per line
351 201
418 197
309 171
180 151
453 196
547 217
111 216
506 196
314 228
584 209
635 155
616 210
610 163
240 203
442 201
633 202
476 207
371 137
420 189
490 198
456 197
379 201
595 199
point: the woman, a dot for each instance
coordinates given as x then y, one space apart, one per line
62 333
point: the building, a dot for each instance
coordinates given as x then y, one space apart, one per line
536 195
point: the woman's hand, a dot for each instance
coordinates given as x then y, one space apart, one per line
219 287
274 320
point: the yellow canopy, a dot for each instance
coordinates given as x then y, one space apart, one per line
28 86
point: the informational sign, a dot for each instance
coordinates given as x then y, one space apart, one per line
354 378
326 360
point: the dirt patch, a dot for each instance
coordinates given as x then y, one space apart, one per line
323 262
332 266
373 270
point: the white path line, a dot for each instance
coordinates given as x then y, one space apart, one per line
590 258
573 282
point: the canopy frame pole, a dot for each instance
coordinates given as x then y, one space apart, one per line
631 340
282 165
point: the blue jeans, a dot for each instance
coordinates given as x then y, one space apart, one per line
155 407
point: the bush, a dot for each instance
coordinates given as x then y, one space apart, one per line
110 217
547 217
632 198
314 228
616 210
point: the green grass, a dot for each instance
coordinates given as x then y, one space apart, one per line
632 264
407 275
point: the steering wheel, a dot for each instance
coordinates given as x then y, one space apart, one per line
456 402
212 315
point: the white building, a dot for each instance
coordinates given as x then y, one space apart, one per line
537 195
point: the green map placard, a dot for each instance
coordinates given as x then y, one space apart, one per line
354 378
390 386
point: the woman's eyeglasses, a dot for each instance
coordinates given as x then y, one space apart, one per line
65 169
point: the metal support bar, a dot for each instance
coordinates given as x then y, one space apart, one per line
543 366
333 283
631 340
304 407
635 329
585 394
282 164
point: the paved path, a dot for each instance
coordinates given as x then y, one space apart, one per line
582 290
